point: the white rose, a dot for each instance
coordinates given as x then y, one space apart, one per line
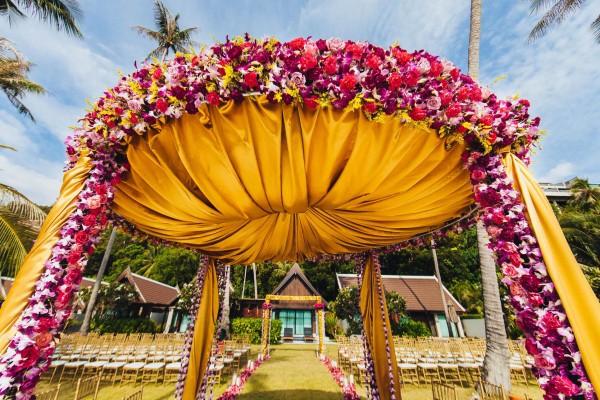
448 65
311 47
434 103
423 66
336 44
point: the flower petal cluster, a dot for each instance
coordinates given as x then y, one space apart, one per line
236 387
348 388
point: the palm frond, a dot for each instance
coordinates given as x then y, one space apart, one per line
149 33
10 10
63 14
595 28
559 11
3 146
20 222
568 8
536 5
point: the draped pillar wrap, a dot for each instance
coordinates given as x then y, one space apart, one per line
34 264
375 325
578 299
206 321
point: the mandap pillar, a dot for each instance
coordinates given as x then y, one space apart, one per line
266 327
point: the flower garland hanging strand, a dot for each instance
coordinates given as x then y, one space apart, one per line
386 331
207 379
30 350
348 386
540 314
189 333
372 390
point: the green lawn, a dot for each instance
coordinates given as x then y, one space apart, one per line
292 373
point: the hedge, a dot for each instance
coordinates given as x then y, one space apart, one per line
253 328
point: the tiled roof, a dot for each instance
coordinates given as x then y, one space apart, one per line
150 291
422 293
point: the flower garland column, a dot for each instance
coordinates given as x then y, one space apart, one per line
377 330
199 336
319 307
266 327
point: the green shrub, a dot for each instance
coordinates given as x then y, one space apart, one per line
408 327
253 328
123 325
471 316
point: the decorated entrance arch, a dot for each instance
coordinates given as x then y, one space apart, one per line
257 150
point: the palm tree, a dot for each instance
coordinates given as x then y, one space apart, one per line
20 222
63 14
168 35
14 81
585 197
496 366
556 15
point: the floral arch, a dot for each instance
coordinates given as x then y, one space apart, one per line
258 150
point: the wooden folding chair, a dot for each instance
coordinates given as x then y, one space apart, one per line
442 391
86 387
489 391
137 395
51 394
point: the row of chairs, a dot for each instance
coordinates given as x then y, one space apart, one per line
229 357
485 390
421 360
85 387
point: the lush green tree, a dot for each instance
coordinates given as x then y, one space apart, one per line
114 297
175 267
557 11
586 198
63 14
167 35
20 222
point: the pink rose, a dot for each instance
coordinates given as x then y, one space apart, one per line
517 290
311 47
134 105
335 44
423 65
531 346
434 103
298 79
94 201
448 65
494 230
535 299
478 174
509 270
551 321
43 339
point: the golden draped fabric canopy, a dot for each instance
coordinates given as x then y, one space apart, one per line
257 181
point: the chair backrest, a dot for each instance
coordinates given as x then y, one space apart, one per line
288 332
442 391
308 331
490 391
87 386
137 395
51 394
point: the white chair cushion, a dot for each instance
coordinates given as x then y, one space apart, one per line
134 365
116 364
156 365
75 363
95 364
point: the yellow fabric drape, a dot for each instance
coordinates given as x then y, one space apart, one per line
375 323
580 303
258 181
34 264
206 320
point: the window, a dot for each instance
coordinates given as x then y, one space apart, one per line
296 319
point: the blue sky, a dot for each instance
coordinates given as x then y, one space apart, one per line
558 73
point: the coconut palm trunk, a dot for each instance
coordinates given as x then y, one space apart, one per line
496 366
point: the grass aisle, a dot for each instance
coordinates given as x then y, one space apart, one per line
292 373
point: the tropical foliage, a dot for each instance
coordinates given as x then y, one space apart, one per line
557 11
253 328
62 14
168 35
20 221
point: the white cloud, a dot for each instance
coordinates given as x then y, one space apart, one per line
39 181
562 172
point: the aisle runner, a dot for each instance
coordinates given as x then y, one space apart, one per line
347 385
237 383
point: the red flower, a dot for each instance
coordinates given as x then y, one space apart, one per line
524 102
463 93
348 82
311 102
118 110
213 99
157 73
355 50
330 65
373 61
515 259
30 357
73 257
412 78
476 94
445 97
461 129
307 61
564 385
455 73
89 220
43 339
551 321
436 69
487 120
370 107
44 324
81 237
250 80
402 56
417 114
478 174
453 110
394 80
297 44
535 299
162 105
101 189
